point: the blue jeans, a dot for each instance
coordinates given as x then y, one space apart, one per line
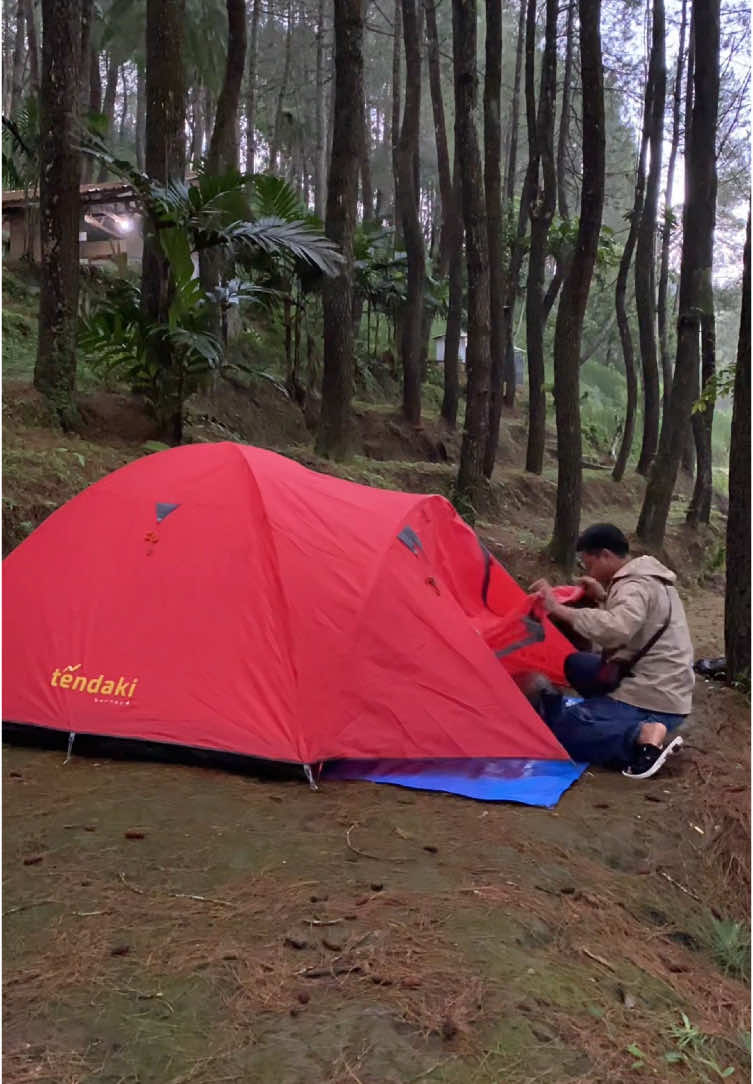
601 730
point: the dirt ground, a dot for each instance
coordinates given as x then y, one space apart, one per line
172 923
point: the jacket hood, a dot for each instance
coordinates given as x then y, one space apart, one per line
646 566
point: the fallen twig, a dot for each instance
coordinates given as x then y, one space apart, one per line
131 888
593 956
324 921
672 881
88 914
365 854
430 1070
26 906
202 899
330 972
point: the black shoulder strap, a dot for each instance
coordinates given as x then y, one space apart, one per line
656 637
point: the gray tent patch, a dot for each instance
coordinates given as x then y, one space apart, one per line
410 539
164 510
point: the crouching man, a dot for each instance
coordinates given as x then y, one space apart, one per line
639 689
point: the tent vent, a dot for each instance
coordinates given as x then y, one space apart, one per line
164 510
410 539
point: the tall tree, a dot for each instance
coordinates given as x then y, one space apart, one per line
645 254
253 47
494 223
320 152
666 232
572 307
623 323
60 171
274 146
737 592
703 420
165 151
695 271
450 254
342 195
408 197
470 479
397 32
31 32
564 254
18 58
222 155
516 253
541 209
108 104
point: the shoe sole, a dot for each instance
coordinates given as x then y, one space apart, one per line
673 747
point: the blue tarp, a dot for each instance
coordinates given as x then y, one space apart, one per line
532 782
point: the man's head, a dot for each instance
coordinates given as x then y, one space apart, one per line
602 550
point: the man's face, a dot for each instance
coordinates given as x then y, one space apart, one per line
601 565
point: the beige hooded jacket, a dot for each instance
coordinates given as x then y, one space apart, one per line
638 601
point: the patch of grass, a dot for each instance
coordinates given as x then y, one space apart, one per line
730 943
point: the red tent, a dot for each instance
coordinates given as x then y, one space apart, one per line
224 597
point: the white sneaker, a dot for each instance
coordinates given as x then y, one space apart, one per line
648 759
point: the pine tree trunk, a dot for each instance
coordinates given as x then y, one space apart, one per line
470 481
454 307
408 195
495 230
124 106
140 117
274 148
165 156
320 154
737 592
108 105
333 437
661 306
223 152
367 192
700 504
695 275
572 308
94 106
446 192
18 59
645 253
33 39
516 247
397 25
541 212
60 171
251 88
623 324
563 138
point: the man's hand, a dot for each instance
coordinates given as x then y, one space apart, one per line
592 588
544 591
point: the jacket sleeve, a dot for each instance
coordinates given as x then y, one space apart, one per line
624 614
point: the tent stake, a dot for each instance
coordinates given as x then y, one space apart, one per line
310 776
71 736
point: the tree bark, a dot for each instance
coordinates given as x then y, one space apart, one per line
140 117
446 192
516 246
737 591
454 306
700 504
124 106
251 88
695 274
470 481
367 191
626 338
274 148
33 40
408 195
645 253
108 105
18 59
563 138
572 308
494 225
320 155
333 437
60 171
541 212
165 155
222 155
397 26
661 306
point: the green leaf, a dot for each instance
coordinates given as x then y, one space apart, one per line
174 243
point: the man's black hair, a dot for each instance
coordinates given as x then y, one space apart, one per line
603 536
